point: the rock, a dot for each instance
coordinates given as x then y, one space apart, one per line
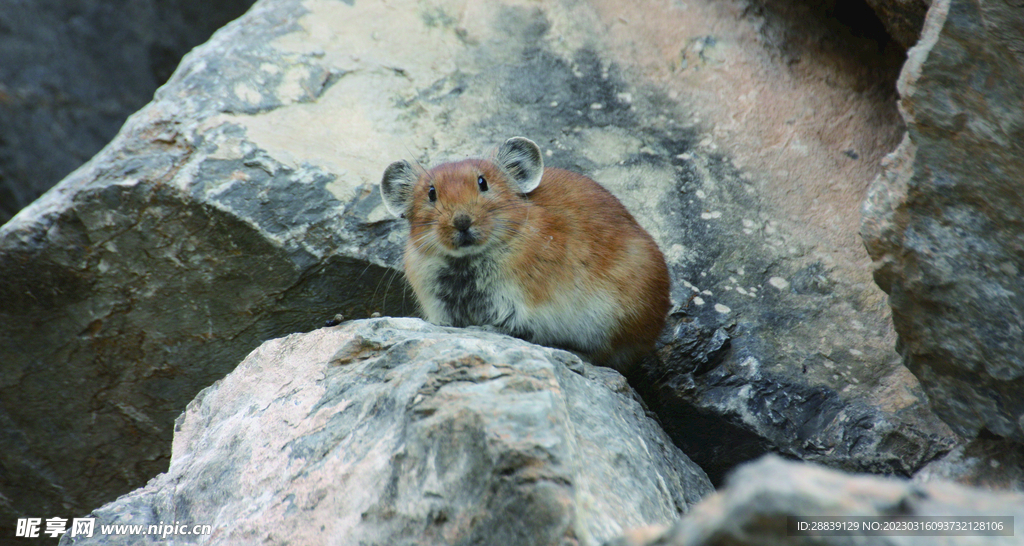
241 205
394 431
71 71
754 506
902 18
989 462
151 271
944 224
780 342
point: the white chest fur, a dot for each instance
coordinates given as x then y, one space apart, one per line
474 291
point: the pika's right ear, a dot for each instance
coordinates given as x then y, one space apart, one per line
520 158
396 187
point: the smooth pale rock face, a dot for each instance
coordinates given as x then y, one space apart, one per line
242 205
759 497
945 224
394 431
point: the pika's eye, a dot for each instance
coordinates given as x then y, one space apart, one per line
432 194
482 183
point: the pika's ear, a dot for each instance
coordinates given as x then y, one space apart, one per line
396 187
521 159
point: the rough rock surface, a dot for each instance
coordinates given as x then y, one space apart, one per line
754 506
782 341
152 270
71 71
945 224
394 431
241 205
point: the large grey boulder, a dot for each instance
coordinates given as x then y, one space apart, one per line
945 224
241 205
152 270
394 431
754 507
780 342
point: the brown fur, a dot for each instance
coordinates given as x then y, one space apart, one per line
568 236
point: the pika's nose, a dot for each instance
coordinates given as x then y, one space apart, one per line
462 222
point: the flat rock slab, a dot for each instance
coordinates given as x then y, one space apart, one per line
394 431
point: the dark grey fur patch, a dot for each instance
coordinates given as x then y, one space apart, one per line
457 289
469 304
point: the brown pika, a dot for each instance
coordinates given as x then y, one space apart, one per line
546 255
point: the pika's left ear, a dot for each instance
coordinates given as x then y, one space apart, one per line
520 158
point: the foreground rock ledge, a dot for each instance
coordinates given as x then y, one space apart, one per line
754 505
393 431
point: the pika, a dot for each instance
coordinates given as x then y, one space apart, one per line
546 255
